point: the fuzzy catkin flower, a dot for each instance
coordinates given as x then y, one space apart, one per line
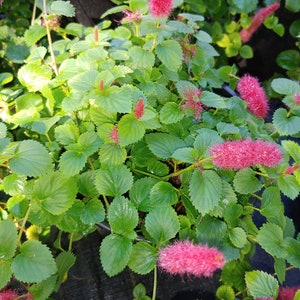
8 295
245 153
287 293
257 20
255 96
186 258
160 8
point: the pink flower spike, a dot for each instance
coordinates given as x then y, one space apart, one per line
8 295
192 102
255 96
130 17
245 153
257 20
297 98
139 109
114 135
186 258
287 293
160 8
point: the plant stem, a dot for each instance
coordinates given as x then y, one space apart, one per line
50 39
154 283
24 223
33 13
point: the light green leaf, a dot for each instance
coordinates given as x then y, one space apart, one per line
285 86
170 54
112 154
205 190
64 261
157 167
89 142
94 212
8 238
62 8
245 182
54 193
163 145
284 124
270 238
162 223
292 247
5 78
171 113
122 216
42 126
115 252
238 237
86 186
143 258
246 52
66 134
280 269
72 162
292 148
5 273
34 34
30 159
212 100
84 81
289 186
140 58
261 284
113 181
225 292
34 263
163 193
43 289
34 77
187 155
130 130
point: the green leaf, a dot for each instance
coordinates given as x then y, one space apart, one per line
187 155
112 154
66 134
94 212
292 5
246 52
143 258
34 34
89 142
54 193
238 237
162 223
5 78
84 81
280 269
292 247
42 126
164 145
170 54
205 190
86 186
122 215
163 193
140 193
140 58
245 182
64 261
285 86
5 273
130 130
62 8
72 162
113 181
212 100
289 186
261 284
17 52
289 59
31 159
225 292
284 124
115 252
43 289
8 238
171 113
292 148
3 130
34 77
34 263
270 238
245 6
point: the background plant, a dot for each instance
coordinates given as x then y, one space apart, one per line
115 125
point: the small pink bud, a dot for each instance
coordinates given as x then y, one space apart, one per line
101 85
297 98
8 295
96 34
139 109
114 135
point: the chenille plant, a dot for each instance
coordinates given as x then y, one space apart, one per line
127 129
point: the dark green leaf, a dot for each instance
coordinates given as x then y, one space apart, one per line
93 213
163 193
43 289
187 155
292 247
8 238
5 273
289 186
64 261
280 269
212 100
245 182
288 59
238 237
170 113
34 34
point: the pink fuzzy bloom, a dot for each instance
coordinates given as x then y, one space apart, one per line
255 96
245 153
192 102
130 17
8 295
297 98
114 135
186 258
160 8
257 20
139 109
287 293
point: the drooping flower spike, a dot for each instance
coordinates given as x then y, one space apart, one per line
257 20
185 258
250 91
245 153
160 8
